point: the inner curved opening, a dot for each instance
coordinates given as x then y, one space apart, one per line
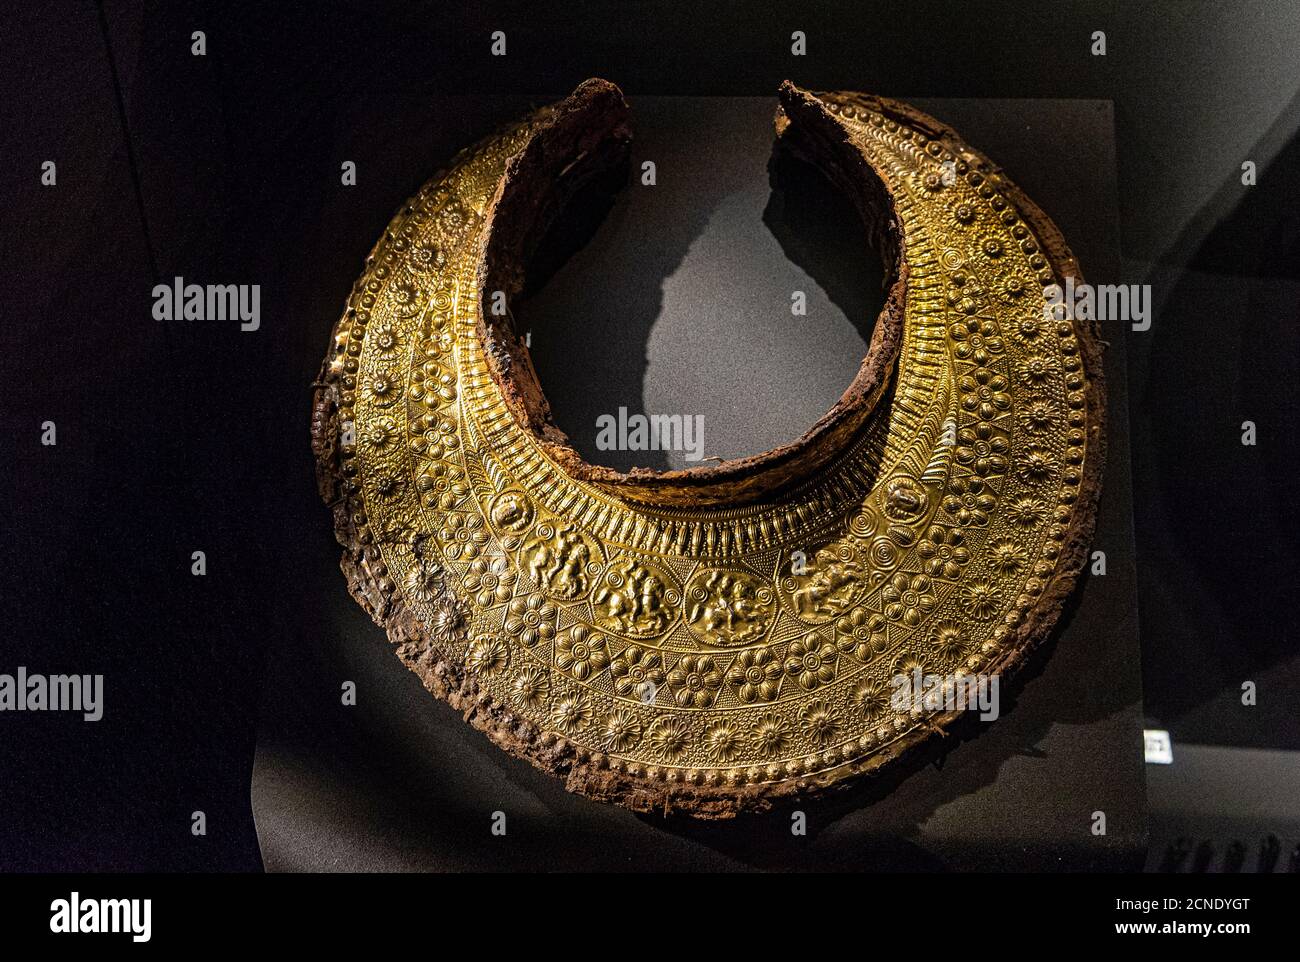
735 296
584 139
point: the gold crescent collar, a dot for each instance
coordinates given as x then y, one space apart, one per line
709 640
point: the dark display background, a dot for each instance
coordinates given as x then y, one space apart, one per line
224 169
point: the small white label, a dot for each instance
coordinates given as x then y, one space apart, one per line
1159 746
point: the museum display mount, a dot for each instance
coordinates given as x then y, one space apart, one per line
1108 662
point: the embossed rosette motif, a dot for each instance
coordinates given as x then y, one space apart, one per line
663 654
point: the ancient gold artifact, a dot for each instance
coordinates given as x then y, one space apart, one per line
709 640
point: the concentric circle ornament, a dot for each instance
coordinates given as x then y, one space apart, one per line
712 639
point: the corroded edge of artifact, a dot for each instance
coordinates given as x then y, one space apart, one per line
586 126
584 773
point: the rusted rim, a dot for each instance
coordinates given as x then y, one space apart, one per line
586 134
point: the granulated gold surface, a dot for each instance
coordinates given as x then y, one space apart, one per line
726 649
